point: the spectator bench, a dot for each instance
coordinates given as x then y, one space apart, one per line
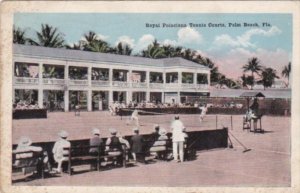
25 159
80 155
163 150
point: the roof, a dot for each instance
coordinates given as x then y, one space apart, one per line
235 93
252 94
68 54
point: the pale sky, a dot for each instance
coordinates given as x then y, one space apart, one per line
229 47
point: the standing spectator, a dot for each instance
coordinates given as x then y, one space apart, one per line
137 142
59 154
178 139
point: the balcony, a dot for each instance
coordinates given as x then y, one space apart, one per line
156 85
120 84
26 80
53 81
188 86
139 85
172 85
202 86
100 83
78 82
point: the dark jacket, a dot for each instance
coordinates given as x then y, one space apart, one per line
137 143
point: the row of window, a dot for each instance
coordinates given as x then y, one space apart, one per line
31 70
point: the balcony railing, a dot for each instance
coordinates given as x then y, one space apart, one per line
78 82
103 83
139 85
188 86
26 80
172 85
100 83
121 84
53 81
156 85
202 86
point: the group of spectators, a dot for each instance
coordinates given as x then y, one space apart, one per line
115 144
22 104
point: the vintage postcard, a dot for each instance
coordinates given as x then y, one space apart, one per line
172 96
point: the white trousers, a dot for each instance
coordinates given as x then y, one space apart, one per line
178 147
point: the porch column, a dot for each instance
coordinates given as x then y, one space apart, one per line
110 76
147 79
162 97
110 97
40 91
195 78
164 78
89 92
178 97
179 78
66 88
89 100
148 96
128 96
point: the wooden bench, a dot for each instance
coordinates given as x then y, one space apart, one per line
26 159
80 155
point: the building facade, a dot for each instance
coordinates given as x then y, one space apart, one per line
65 78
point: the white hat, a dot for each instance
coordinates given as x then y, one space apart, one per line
162 131
96 131
112 131
63 134
25 141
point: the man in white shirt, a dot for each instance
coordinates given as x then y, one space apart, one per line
203 112
59 154
178 138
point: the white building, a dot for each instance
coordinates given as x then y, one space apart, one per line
94 80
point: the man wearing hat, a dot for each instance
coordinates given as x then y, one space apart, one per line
95 141
60 155
24 145
178 138
113 144
137 142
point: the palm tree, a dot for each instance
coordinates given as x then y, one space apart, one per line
268 76
98 46
154 50
122 49
252 66
247 80
48 37
171 51
286 72
75 46
188 54
19 36
90 37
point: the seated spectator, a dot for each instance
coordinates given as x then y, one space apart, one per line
95 141
114 146
59 154
137 142
160 144
155 135
25 146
